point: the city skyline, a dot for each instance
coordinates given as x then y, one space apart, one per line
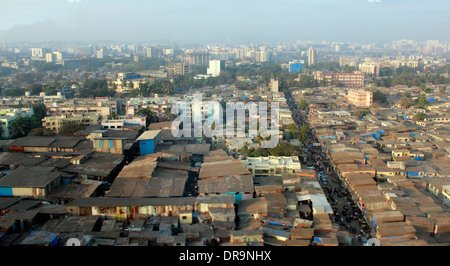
232 21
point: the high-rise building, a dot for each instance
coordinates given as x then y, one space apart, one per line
99 53
153 52
311 56
55 57
198 58
50 57
337 48
215 66
370 68
179 69
37 53
274 85
263 54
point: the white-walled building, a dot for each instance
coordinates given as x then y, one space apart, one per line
272 165
215 67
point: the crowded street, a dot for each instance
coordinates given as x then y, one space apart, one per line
346 212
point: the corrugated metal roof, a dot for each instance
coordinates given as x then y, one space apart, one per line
149 134
29 177
114 202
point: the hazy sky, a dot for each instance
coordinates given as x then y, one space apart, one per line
227 20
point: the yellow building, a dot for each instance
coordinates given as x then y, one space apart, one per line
55 123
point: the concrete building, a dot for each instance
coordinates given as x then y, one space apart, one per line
370 68
215 67
274 85
99 53
153 52
55 123
179 69
355 79
199 58
55 57
360 98
272 165
37 53
311 56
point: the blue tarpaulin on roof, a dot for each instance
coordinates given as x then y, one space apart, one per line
6 191
275 223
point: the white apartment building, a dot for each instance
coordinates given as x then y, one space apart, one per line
311 56
272 165
370 68
215 67
54 57
37 53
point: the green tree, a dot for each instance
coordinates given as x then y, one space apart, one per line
151 116
422 102
34 88
50 90
20 127
304 132
386 71
423 87
348 69
244 150
168 114
420 116
71 127
13 92
406 102
40 131
303 105
360 113
292 128
113 116
379 96
285 149
40 111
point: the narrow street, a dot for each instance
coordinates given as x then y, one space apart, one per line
346 212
